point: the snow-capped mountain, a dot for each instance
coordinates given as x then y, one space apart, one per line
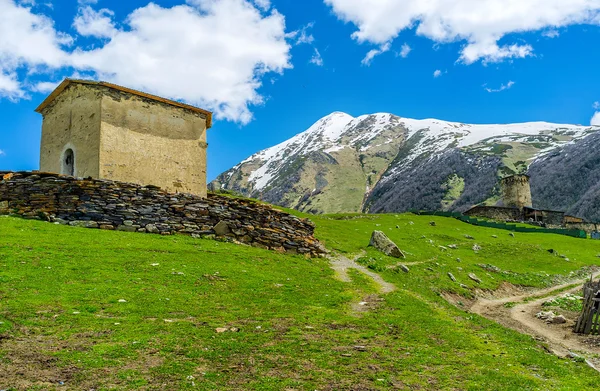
383 162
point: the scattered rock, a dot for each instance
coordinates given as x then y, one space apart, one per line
84 224
151 228
474 278
476 247
464 286
222 228
122 301
458 260
469 237
432 223
495 236
381 242
360 348
512 234
453 246
489 267
221 329
404 268
550 317
452 276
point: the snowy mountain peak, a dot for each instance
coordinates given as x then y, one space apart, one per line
369 146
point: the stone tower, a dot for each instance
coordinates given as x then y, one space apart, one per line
516 192
102 130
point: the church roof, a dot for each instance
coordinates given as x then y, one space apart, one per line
68 82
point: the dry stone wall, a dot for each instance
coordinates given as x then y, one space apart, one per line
110 205
496 213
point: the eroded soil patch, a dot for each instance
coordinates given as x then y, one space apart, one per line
518 312
30 362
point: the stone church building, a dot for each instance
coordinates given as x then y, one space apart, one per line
102 130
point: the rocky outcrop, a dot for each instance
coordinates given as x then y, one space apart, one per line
109 205
380 241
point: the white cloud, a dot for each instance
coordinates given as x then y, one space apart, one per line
596 119
263 4
502 87
405 50
375 52
317 59
10 87
437 73
596 105
212 54
302 35
481 23
551 33
2 153
91 23
209 53
26 39
44 86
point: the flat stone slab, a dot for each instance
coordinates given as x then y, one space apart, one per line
380 241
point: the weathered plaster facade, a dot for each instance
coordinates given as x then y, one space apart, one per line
516 192
120 134
72 122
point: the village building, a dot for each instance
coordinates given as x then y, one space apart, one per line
517 205
105 131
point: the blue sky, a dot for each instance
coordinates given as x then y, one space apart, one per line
269 69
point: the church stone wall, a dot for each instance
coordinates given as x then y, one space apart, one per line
72 121
495 213
110 205
149 142
516 192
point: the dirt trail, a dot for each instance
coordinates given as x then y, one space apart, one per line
559 337
341 264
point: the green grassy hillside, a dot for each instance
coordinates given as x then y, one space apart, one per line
85 309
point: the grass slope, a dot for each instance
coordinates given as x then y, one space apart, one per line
90 309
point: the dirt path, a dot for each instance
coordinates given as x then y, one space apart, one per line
560 337
341 264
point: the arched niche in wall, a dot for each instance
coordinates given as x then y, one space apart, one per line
68 162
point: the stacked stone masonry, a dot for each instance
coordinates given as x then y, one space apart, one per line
109 205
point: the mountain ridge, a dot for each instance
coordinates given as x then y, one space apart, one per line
351 164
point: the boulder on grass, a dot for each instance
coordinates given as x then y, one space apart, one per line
381 242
